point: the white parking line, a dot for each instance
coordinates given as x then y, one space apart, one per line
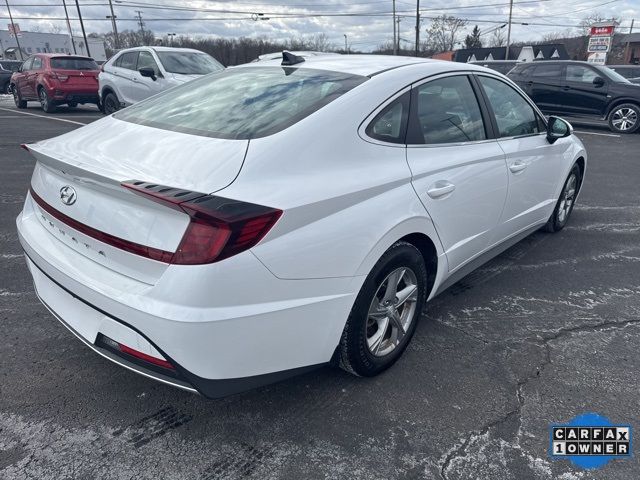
42 116
596 133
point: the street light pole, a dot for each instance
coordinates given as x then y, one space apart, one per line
84 34
346 48
417 27
15 34
506 53
114 26
171 35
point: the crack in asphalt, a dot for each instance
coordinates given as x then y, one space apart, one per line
543 342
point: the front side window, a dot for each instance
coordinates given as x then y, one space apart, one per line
242 103
513 114
580 74
27 64
37 63
188 63
145 60
390 124
447 111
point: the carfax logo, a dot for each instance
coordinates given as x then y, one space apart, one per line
590 441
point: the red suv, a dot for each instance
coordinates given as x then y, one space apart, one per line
54 80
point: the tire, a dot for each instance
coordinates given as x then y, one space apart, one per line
45 102
624 118
110 104
17 99
566 202
6 89
372 340
72 104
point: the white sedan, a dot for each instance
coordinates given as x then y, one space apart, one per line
281 215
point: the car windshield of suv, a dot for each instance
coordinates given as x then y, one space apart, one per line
73 63
188 63
242 103
613 75
10 66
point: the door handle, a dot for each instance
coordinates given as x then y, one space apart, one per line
440 189
518 166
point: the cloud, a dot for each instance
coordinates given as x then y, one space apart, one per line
367 23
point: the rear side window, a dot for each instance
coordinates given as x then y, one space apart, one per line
242 103
127 60
73 63
447 112
391 123
553 70
513 114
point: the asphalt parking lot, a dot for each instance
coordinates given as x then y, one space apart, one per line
548 330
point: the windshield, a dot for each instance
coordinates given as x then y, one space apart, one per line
73 63
242 103
189 63
613 75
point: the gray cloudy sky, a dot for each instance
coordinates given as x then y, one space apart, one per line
367 23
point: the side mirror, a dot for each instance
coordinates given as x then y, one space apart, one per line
558 128
598 81
148 72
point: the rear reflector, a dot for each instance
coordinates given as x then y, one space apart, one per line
136 353
219 227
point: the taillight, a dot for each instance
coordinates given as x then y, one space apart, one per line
219 227
59 76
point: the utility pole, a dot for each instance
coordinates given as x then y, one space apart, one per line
418 26
15 33
66 15
84 34
171 35
114 26
627 58
346 48
395 51
397 47
506 53
140 22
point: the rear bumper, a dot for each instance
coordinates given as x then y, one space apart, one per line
220 341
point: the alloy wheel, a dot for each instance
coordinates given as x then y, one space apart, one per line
624 119
44 100
391 311
567 199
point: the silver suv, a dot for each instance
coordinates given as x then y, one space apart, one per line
134 74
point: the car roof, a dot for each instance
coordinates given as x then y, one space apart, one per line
158 49
61 55
365 65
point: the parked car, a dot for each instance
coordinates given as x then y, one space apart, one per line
7 67
337 211
581 89
54 79
630 72
502 66
134 74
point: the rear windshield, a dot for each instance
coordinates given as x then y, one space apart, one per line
73 63
11 66
242 103
188 63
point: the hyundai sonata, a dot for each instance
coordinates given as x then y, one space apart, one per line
262 221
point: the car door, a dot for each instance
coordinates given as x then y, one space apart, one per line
124 76
21 78
585 90
144 87
458 169
31 81
545 86
533 164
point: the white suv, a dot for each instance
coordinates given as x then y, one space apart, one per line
134 74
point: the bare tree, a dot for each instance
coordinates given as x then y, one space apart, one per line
320 43
443 33
498 38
